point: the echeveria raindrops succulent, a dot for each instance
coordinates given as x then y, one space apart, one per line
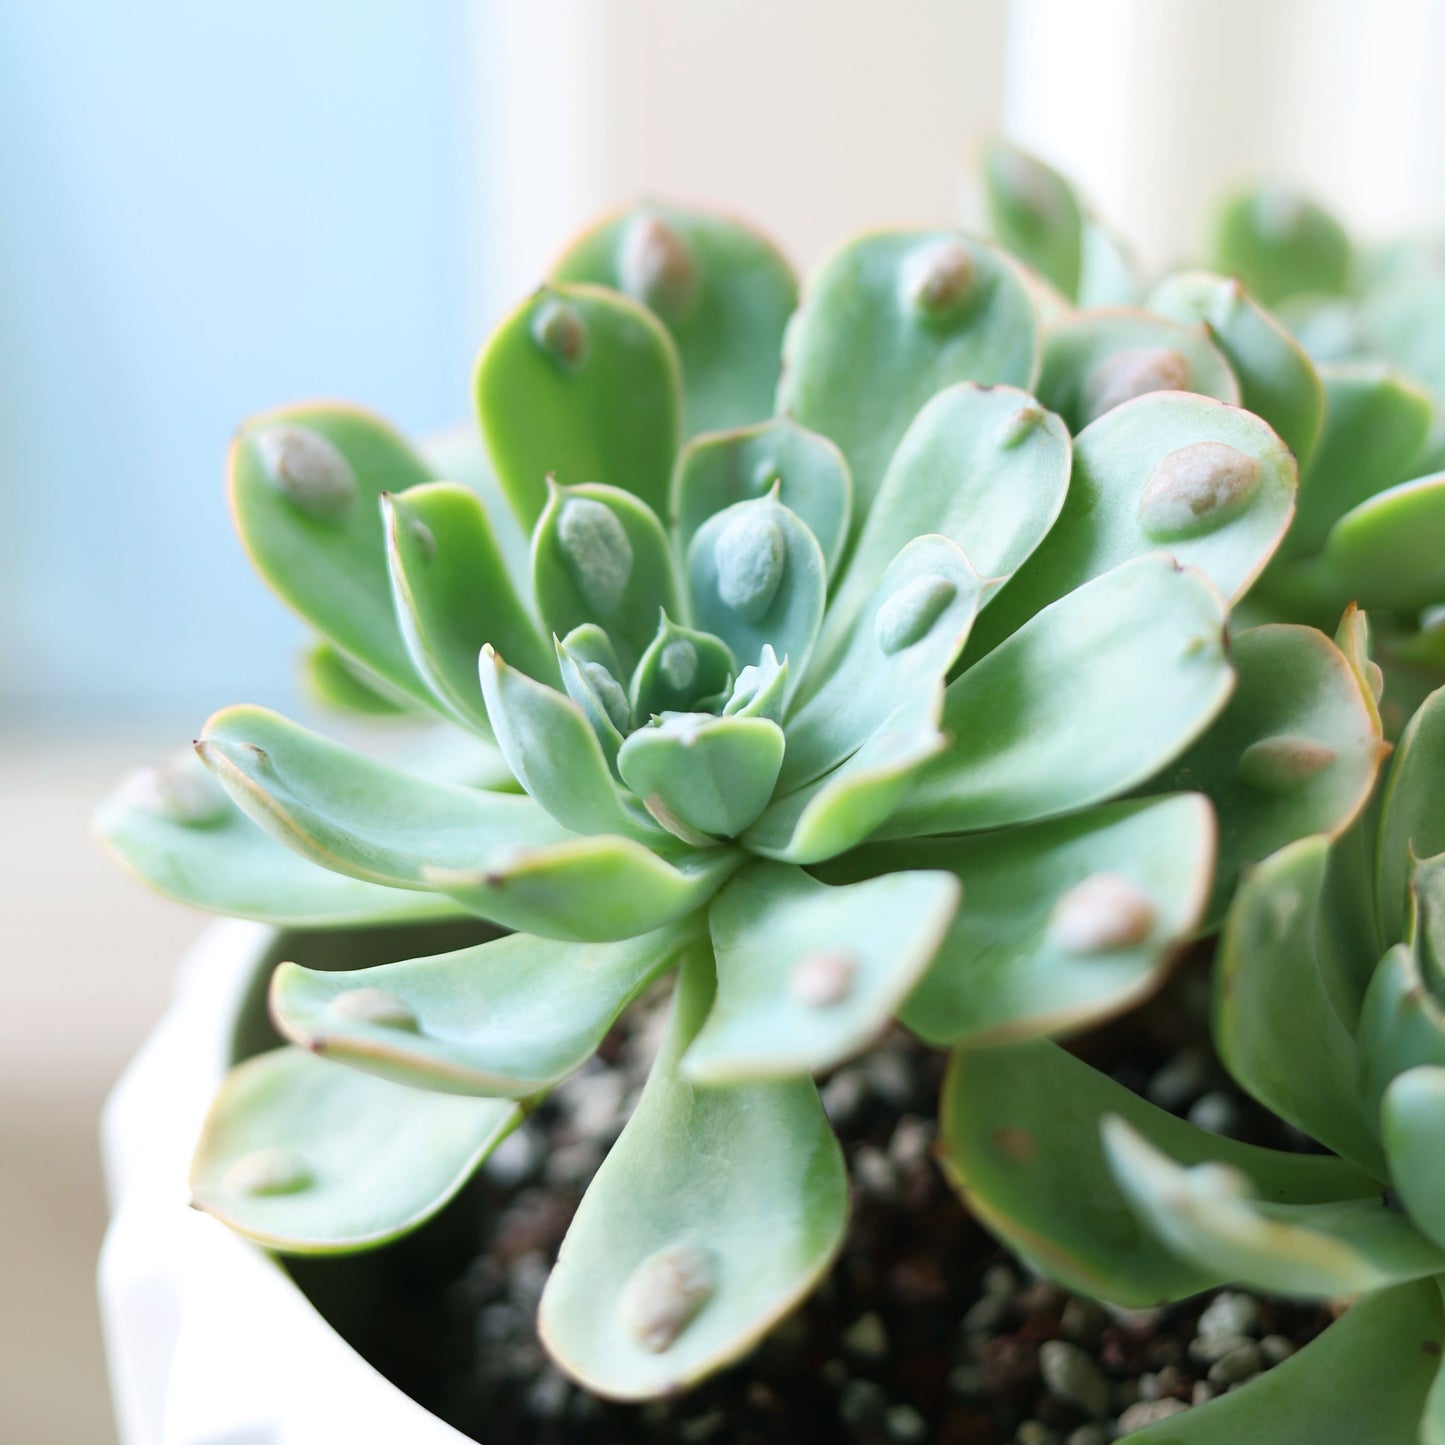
1329 1011
904 695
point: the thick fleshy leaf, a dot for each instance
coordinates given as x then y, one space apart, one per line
1208 483
1367 1378
511 1017
599 555
594 680
808 975
589 889
1280 243
911 630
1209 1213
1098 360
1083 702
888 321
1412 1120
1275 1024
1276 378
1019 1130
453 596
307 1157
341 685
712 774
722 290
843 807
1387 552
1402 1025
681 670
304 485
757 578
176 828
1063 922
1295 752
346 812
1109 272
459 454
760 689
1375 425
717 1211
717 471
985 467
582 385
1412 819
551 748
1034 213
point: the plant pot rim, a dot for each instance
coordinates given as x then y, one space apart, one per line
209 1341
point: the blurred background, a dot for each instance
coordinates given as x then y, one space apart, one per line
209 210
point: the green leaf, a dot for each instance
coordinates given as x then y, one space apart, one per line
1083 702
1098 360
757 578
682 669
306 1157
1208 483
1365 1379
1035 213
1276 378
458 454
551 748
1064 922
1280 243
843 807
717 471
715 1215
593 677
722 290
1109 273
1411 1117
760 688
985 467
911 630
713 774
1295 752
453 596
1208 1213
1412 817
582 385
809 975
599 555
499 855
888 321
1019 1130
1386 551
590 889
1375 425
179 831
341 685
1402 1026
512 1017
1275 1024
304 485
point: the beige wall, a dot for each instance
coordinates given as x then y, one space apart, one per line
814 118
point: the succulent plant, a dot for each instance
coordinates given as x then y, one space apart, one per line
1347 364
1329 1009
768 689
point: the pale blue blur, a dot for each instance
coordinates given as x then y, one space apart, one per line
207 210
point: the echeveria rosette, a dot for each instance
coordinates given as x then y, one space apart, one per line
1339 350
1330 1010
1371 502
753 707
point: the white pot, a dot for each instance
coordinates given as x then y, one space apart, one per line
209 1341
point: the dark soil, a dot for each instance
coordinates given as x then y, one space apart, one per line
926 1331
